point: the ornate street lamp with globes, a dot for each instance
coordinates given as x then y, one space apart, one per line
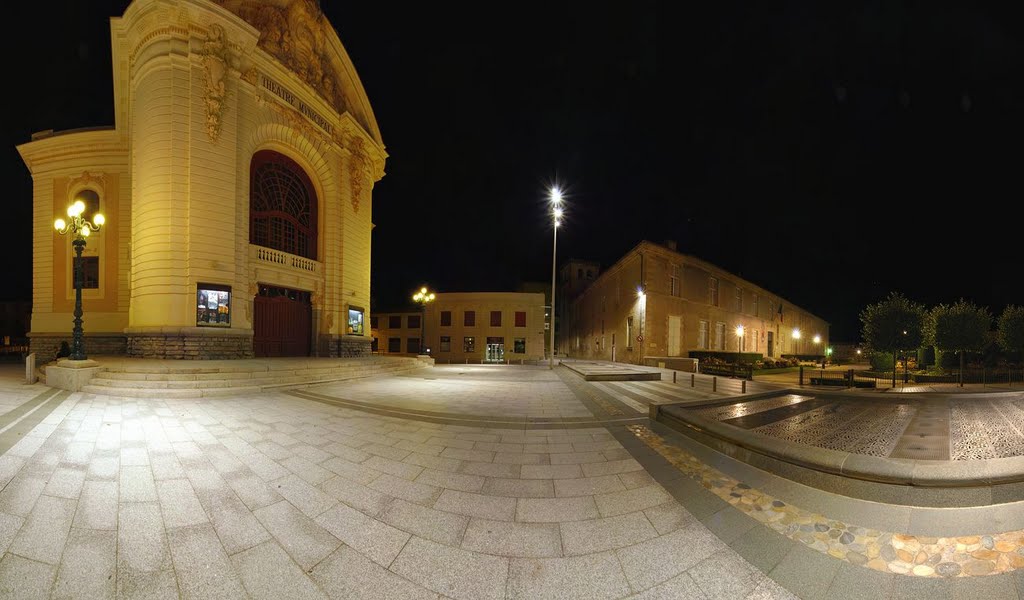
423 297
79 228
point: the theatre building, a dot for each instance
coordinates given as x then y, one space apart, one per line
658 303
236 184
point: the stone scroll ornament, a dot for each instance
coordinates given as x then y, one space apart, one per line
359 169
215 61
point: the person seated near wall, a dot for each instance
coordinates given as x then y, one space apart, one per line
64 351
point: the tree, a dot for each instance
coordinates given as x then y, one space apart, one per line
1011 329
893 324
962 327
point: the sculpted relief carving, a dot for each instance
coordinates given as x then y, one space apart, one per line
295 35
216 60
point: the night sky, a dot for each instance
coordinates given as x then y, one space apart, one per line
829 154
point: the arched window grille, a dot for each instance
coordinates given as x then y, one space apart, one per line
282 205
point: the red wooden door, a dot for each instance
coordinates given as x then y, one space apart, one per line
282 326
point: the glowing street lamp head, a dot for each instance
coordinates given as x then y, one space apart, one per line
555 195
640 293
739 331
85 232
796 333
99 219
558 213
423 290
817 339
59 224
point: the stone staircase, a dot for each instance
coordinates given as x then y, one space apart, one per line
142 378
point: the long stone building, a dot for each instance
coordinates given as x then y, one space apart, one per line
657 303
236 184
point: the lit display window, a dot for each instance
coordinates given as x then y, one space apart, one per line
355 321
213 305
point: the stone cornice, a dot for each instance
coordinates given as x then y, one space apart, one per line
53 151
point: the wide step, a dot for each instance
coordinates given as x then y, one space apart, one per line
158 379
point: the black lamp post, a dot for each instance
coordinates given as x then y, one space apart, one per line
80 228
423 297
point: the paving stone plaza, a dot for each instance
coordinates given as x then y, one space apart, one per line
473 481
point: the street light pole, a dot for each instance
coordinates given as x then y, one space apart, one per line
423 297
80 228
555 196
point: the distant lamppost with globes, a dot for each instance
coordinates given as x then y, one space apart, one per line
79 228
423 297
739 338
555 197
796 341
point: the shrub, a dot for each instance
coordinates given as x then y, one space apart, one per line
880 361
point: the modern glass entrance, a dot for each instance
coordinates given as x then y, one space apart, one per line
495 350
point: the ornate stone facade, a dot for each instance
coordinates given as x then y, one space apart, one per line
198 93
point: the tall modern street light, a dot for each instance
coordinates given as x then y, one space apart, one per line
80 228
555 196
423 297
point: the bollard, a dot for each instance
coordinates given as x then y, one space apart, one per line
714 384
673 376
30 369
801 376
743 390
693 380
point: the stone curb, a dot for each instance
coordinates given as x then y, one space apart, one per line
913 472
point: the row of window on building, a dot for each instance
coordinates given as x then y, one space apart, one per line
468 319
412 345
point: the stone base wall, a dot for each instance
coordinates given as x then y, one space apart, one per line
343 346
45 345
189 347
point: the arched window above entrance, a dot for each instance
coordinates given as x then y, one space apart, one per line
282 205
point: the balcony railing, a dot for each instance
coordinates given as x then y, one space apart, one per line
275 257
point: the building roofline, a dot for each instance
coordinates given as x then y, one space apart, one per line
701 262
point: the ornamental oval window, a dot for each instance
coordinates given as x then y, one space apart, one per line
282 205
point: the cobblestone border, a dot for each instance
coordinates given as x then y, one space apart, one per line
884 551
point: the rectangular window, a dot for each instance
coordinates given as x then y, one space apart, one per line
373 322
90 272
713 291
520 318
469 344
355 321
519 346
394 344
446 343
719 336
673 281
469 319
413 321
739 299
394 322
213 305
702 336
629 331
412 345
495 318
755 303
446 318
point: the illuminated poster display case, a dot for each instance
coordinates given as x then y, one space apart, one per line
213 305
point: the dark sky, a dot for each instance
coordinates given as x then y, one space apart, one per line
830 153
